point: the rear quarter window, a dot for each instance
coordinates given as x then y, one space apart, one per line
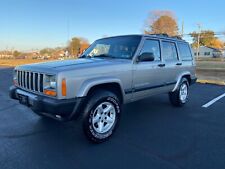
185 52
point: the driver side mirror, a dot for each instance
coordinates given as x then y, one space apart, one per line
146 57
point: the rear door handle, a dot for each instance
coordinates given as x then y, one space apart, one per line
162 65
178 64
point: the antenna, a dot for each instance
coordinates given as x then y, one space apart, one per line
68 29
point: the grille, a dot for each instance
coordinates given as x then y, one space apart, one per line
30 80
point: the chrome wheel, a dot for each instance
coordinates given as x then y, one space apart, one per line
104 117
183 92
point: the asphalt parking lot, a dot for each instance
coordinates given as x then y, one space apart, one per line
152 134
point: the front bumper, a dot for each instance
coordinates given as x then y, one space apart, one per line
65 109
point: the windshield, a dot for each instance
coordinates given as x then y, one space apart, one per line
122 47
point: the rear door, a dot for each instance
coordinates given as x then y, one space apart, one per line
149 76
172 63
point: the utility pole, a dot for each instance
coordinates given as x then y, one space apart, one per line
198 40
182 29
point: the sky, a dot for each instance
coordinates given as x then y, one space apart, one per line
35 24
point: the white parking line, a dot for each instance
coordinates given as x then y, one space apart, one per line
213 101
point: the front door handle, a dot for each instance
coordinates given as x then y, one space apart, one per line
162 65
179 64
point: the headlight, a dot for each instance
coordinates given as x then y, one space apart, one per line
15 77
50 82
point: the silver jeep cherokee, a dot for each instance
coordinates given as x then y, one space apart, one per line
111 72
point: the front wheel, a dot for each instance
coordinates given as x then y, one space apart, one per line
180 96
101 116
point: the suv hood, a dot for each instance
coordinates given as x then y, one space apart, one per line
57 66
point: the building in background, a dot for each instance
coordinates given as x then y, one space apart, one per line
209 52
223 51
6 54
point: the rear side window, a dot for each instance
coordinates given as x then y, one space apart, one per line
152 46
184 51
169 51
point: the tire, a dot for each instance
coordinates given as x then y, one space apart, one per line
101 115
179 97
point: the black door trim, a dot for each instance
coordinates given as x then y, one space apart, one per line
147 87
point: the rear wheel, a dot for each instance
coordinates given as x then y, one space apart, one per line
101 115
180 96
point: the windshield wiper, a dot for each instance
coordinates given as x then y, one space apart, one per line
82 56
85 56
103 56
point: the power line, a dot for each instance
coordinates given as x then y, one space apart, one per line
203 33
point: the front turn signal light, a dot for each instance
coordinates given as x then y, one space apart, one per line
50 92
64 87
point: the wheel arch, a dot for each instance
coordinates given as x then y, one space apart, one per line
112 84
186 75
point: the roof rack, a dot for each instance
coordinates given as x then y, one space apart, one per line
166 35
177 37
160 34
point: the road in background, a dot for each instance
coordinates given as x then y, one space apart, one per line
213 69
152 134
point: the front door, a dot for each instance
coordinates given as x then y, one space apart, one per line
149 76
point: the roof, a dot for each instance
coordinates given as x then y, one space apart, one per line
217 49
161 36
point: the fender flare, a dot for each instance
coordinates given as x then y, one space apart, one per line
179 79
88 84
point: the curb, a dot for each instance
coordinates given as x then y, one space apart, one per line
216 82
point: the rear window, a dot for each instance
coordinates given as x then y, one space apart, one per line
185 52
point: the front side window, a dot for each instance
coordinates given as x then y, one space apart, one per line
123 47
169 51
152 46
